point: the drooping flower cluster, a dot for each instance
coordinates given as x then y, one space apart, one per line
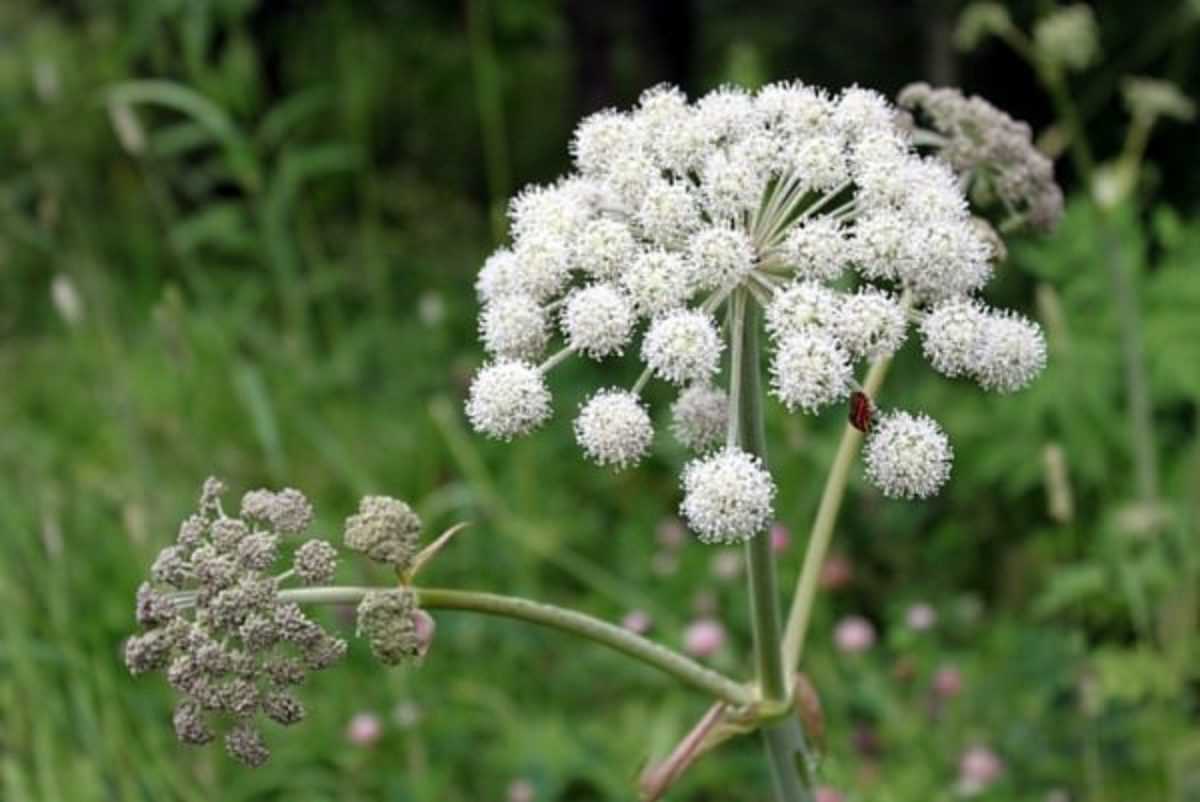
820 209
218 623
215 624
992 150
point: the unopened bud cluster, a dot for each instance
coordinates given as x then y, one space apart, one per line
992 150
217 623
214 623
822 209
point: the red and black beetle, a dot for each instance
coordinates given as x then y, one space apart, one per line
860 411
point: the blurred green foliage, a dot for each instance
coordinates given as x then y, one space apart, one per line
239 238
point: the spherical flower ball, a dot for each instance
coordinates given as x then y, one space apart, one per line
668 213
613 428
952 334
731 187
508 399
802 305
514 326
498 276
683 346
810 370
819 248
700 417
870 324
854 635
953 260
908 456
605 248
821 160
719 255
602 139
543 264
1012 352
728 496
657 281
598 320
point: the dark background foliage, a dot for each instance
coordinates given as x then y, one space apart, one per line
261 266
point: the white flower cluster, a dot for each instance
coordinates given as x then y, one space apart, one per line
817 207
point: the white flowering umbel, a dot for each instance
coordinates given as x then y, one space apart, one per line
819 208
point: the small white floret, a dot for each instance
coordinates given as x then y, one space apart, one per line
657 282
810 370
683 346
719 255
870 324
800 306
908 456
514 326
614 429
700 417
508 399
1012 352
728 496
598 320
952 334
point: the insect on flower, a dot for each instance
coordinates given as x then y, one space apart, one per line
860 411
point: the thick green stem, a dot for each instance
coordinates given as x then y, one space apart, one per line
622 640
746 431
822 530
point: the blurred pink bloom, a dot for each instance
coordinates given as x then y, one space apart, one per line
837 572
854 634
521 790
781 538
425 627
638 621
671 533
726 564
828 794
978 768
921 617
948 681
364 729
664 563
704 637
